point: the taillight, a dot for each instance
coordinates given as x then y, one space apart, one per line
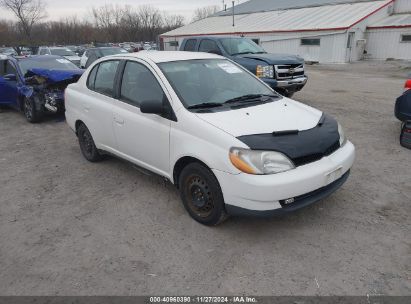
408 85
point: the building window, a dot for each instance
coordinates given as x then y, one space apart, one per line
405 38
311 41
173 43
256 41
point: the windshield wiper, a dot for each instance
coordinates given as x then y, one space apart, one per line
251 98
205 105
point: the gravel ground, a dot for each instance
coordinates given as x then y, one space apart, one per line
69 227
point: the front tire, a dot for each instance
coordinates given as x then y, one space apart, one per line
87 146
30 112
201 195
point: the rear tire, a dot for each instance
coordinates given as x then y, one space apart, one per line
87 146
30 112
201 195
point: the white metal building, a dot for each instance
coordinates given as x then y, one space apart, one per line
326 31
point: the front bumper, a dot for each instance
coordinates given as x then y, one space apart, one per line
266 194
300 202
296 82
291 85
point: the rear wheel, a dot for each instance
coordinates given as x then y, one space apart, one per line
30 112
201 194
87 146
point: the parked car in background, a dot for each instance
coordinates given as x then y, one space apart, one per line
93 54
230 143
79 50
403 113
60 51
127 46
35 85
283 72
26 51
8 51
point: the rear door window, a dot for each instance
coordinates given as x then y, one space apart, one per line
190 45
105 77
208 46
10 69
3 64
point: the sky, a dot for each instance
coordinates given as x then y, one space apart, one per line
57 9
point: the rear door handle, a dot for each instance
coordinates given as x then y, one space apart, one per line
119 121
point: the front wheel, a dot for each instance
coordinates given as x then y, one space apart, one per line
87 146
201 194
30 112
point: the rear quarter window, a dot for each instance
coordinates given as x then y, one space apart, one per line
102 77
92 78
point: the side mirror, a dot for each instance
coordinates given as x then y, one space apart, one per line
10 77
216 52
152 107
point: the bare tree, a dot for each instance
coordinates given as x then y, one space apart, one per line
171 22
109 23
28 13
204 12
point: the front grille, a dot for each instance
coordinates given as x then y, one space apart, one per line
307 159
289 71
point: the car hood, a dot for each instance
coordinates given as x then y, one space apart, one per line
280 115
56 76
72 58
274 58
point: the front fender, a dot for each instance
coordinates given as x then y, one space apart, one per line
204 142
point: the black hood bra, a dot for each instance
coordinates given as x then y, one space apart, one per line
302 147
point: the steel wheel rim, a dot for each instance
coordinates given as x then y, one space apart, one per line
199 196
87 142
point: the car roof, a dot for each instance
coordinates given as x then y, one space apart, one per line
104 48
211 37
40 58
168 56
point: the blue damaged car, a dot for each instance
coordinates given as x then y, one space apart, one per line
35 85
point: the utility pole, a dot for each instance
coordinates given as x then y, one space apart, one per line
233 14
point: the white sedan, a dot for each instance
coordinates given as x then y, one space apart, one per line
229 143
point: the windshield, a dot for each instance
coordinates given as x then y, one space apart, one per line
112 51
211 81
236 46
62 52
51 64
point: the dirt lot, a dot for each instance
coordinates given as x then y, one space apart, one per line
69 227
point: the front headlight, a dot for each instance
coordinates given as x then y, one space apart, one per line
259 162
343 138
265 71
